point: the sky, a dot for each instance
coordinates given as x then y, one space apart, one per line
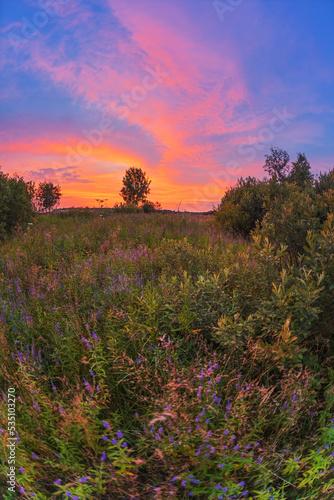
194 92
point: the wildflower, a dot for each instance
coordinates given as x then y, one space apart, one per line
91 373
241 484
68 494
61 411
114 441
226 431
103 456
221 466
105 438
184 483
124 445
236 447
34 456
22 470
105 424
228 406
173 479
119 434
22 491
218 486
95 336
84 479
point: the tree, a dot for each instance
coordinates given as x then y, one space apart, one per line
242 206
136 186
277 163
301 173
16 206
47 196
325 182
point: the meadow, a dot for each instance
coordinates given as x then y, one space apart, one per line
155 356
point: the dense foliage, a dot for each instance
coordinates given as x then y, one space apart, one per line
16 203
156 357
284 207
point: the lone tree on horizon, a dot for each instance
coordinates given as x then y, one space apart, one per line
136 186
47 196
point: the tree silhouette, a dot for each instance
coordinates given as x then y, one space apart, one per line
47 196
301 171
136 186
277 163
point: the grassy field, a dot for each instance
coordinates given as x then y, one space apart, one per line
154 356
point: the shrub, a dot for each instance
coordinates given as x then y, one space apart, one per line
16 206
242 206
291 213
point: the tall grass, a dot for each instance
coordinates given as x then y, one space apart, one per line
154 357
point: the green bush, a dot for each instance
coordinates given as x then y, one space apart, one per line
242 206
16 206
291 213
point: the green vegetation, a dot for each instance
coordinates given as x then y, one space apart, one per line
16 203
282 208
157 357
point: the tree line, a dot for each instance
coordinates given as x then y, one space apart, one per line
20 199
285 206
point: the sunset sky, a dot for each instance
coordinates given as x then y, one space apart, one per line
192 91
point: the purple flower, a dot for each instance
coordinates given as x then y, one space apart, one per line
68 494
105 438
91 373
124 445
105 424
218 486
241 484
103 456
22 470
114 441
84 479
34 456
119 434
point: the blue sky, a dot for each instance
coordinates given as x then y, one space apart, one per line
191 91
